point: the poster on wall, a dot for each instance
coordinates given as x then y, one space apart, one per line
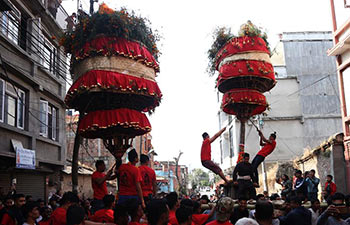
25 158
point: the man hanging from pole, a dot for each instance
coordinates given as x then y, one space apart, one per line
206 154
268 145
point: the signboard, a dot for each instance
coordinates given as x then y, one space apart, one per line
25 158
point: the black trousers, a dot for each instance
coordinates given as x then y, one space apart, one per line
258 159
246 189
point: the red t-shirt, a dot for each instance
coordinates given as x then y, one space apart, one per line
215 222
100 190
58 217
206 150
199 219
7 220
129 175
47 222
267 149
148 178
333 187
172 218
103 216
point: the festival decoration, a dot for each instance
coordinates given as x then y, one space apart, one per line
113 66
244 71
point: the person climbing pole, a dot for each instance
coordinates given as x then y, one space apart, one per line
268 145
206 154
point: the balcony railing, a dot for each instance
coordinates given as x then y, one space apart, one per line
57 11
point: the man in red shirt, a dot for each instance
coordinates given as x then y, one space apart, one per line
149 182
172 200
206 154
14 215
224 209
99 185
58 216
268 147
129 180
329 188
105 215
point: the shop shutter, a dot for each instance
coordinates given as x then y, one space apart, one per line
5 182
31 184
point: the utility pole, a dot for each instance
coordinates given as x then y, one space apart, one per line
263 166
75 159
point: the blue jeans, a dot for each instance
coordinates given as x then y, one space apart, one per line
124 198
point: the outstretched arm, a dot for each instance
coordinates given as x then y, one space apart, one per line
212 139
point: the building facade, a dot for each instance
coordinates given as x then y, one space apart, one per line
304 104
341 50
33 76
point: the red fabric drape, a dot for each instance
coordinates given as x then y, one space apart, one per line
240 45
106 123
113 81
244 102
107 46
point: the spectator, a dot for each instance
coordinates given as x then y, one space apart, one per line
246 221
148 183
41 203
14 215
99 185
312 185
240 212
204 199
243 176
75 215
53 203
197 217
129 178
264 213
315 210
329 188
45 213
30 213
157 212
87 207
8 203
59 215
299 215
286 186
184 216
121 215
71 22
259 197
135 211
300 185
29 198
105 215
224 209
274 197
332 215
173 204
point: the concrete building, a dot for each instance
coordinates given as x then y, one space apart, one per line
304 104
33 70
341 49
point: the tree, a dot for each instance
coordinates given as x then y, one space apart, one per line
199 178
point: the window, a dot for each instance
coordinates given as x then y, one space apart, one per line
48 120
9 23
49 57
12 105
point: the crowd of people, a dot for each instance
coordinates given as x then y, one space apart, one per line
138 202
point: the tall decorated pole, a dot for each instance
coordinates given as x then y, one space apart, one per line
113 66
244 71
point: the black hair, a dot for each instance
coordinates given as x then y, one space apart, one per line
330 176
287 177
75 215
154 210
28 207
69 197
313 201
298 172
183 214
18 196
171 199
205 135
132 155
263 210
273 135
338 196
99 162
205 197
132 206
274 196
242 199
196 206
8 197
119 211
312 170
246 155
144 159
295 199
260 196
108 200
28 197
187 203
